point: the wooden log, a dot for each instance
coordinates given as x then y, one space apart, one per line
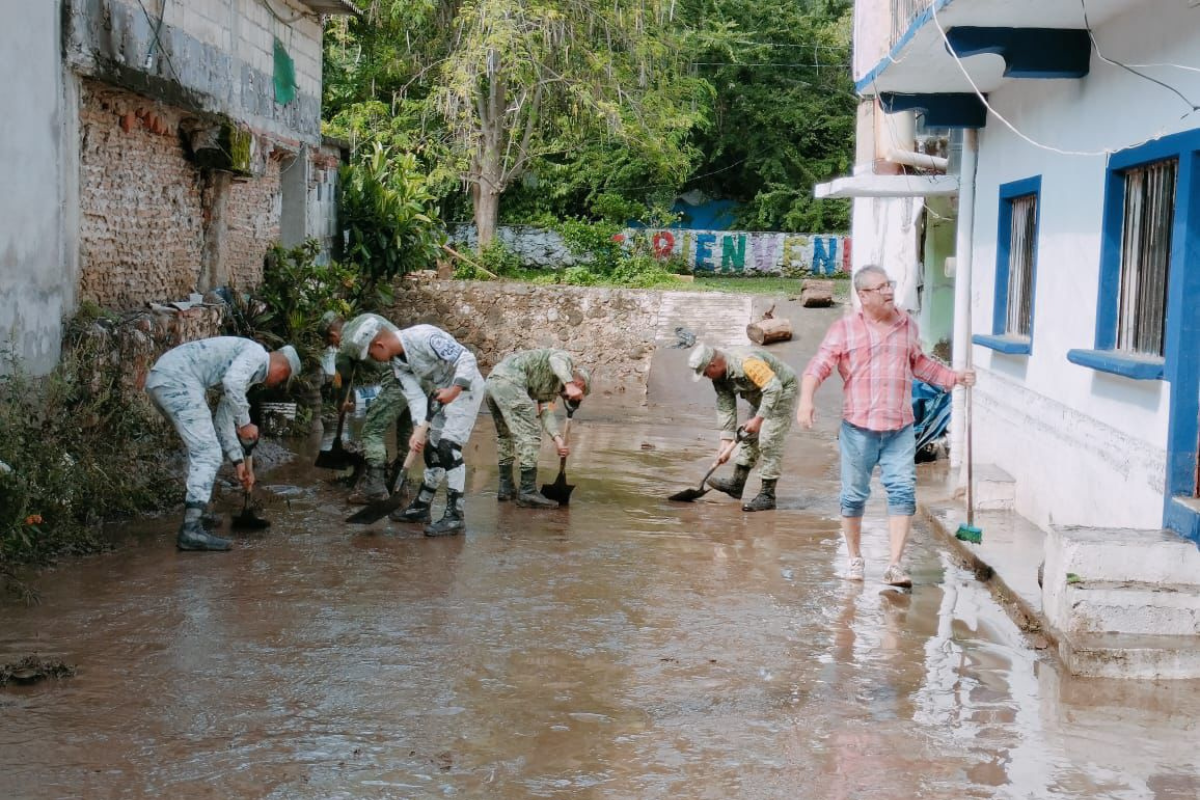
767 331
816 294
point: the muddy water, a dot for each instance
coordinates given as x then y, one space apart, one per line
624 648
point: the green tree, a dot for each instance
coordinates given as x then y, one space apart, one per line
493 86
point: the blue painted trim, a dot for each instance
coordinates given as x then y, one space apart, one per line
946 110
921 21
1043 53
1009 345
1009 192
1139 368
1181 357
1181 519
1183 329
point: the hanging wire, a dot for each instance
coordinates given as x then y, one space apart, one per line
157 43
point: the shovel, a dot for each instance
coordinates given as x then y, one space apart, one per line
560 490
337 457
688 495
373 512
248 519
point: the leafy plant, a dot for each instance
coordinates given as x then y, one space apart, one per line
390 218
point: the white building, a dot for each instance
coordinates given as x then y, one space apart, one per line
1078 259
153 148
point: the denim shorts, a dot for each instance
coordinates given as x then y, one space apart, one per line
894 452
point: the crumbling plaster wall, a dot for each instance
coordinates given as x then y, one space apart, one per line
38 216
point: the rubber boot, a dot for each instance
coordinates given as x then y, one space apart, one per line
192 535
735 485
507 490
529 496
452 521
418 509
371 489
765 500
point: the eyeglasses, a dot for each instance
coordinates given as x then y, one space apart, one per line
889 286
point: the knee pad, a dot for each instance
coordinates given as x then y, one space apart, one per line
432 461
449 454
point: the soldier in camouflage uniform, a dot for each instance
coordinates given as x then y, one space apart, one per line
771 389
420 356
388 406
520 391
178 382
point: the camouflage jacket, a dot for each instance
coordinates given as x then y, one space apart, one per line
758 377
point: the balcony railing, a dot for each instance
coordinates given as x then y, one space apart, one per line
903 13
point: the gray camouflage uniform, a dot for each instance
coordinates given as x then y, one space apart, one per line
178 383
433 357
517 388
387 407
771 389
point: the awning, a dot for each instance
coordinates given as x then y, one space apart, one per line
870 185
332 7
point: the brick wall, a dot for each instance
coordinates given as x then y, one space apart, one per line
252 226
148 214
141 222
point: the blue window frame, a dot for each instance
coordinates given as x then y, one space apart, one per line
1137 231
1016 268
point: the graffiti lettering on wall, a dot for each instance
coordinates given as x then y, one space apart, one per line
719 252
736 253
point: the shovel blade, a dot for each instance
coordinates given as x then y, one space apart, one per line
688 495
559 491
373 512
337 457
249 521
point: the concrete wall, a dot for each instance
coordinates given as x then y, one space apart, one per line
719 252
208 55
1086 447
37 235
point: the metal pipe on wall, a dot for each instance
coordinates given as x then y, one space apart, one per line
964 242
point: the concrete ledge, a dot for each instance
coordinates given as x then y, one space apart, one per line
1124 656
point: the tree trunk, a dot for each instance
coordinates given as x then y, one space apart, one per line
766 331
487 209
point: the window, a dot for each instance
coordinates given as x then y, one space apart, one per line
1016 268
1022 235
1148 217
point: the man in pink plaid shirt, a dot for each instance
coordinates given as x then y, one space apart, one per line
877 351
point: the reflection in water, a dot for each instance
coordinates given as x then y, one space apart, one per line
626 647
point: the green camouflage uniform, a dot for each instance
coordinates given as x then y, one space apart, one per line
520 390
771 389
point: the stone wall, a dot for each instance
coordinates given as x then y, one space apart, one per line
252 225
611 330
715 252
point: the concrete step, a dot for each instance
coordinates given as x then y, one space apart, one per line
1131 607
1132 657
995 489
1159 557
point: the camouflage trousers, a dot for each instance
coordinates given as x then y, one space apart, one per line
515 414
767 447
388 406
186 406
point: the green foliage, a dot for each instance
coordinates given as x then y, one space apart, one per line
80 453
607 258
391 219
295 292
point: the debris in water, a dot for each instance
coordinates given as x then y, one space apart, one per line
32 669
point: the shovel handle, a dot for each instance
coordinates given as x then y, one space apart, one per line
341 408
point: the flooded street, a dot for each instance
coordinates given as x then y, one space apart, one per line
625 647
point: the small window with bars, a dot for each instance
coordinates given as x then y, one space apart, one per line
1149 215
1022 239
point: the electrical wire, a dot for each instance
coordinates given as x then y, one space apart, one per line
1102 57
991 110
157 32
299 14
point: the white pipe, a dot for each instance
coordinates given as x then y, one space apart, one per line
963 244
909 158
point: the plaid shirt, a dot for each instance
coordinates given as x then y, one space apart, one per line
877 369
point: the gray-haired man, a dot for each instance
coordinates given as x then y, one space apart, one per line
178 383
